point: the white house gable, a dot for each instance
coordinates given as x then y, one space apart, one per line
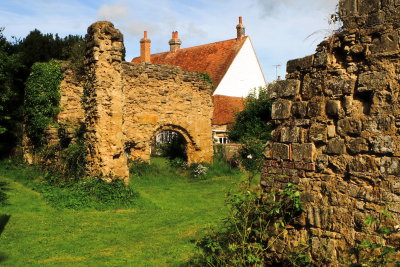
243 75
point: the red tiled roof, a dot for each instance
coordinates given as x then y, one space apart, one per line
213 59
225 108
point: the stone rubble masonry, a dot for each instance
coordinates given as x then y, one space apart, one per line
337 133
129 104
124 106
104 103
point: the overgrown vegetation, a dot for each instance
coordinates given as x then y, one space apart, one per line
207 78
252 130
89 193
16 59
255 222
377 252
180 168
10 67
42 99
252 122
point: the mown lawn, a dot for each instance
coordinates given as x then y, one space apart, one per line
170 213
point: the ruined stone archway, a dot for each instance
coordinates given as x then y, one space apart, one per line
190 145
125 104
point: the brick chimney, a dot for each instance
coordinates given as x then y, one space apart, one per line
145 48
240 29
175 42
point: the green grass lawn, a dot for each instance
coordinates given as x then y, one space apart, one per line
170 213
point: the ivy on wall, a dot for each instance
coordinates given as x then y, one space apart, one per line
42 98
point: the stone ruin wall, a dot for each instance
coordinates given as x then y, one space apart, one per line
159 98
124 105
337 135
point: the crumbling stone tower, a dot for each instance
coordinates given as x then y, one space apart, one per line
337 118
104 101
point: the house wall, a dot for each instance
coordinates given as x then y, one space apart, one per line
338 135
243 75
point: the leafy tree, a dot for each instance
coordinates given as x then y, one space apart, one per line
252 130
252 122
10 66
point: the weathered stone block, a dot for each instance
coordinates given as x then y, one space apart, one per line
385 144
300 64
318 133
321 58
333 108
322 162
337 86
336 146
347 8
311 87
388 165
280 151
299 109
339 163
331 131
363 164
281 109
367 7
290 134
372 81
316 107
388 42
357 145
379 124
285 88
349 126
303 152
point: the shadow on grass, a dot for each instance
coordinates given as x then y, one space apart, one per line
3 257
3 221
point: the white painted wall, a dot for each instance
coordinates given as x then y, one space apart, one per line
243 75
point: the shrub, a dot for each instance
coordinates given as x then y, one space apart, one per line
93 193
256 220
139 167
178 163
252 122
198 170
73 159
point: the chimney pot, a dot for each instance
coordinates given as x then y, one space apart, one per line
145 44
240 29
175 42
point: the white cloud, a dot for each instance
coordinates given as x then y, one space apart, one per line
110 12
135 28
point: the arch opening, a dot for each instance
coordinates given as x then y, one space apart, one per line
170 144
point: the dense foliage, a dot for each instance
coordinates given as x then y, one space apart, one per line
42 99
252 122
10 66
252 130
16 60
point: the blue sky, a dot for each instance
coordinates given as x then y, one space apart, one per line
279 29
